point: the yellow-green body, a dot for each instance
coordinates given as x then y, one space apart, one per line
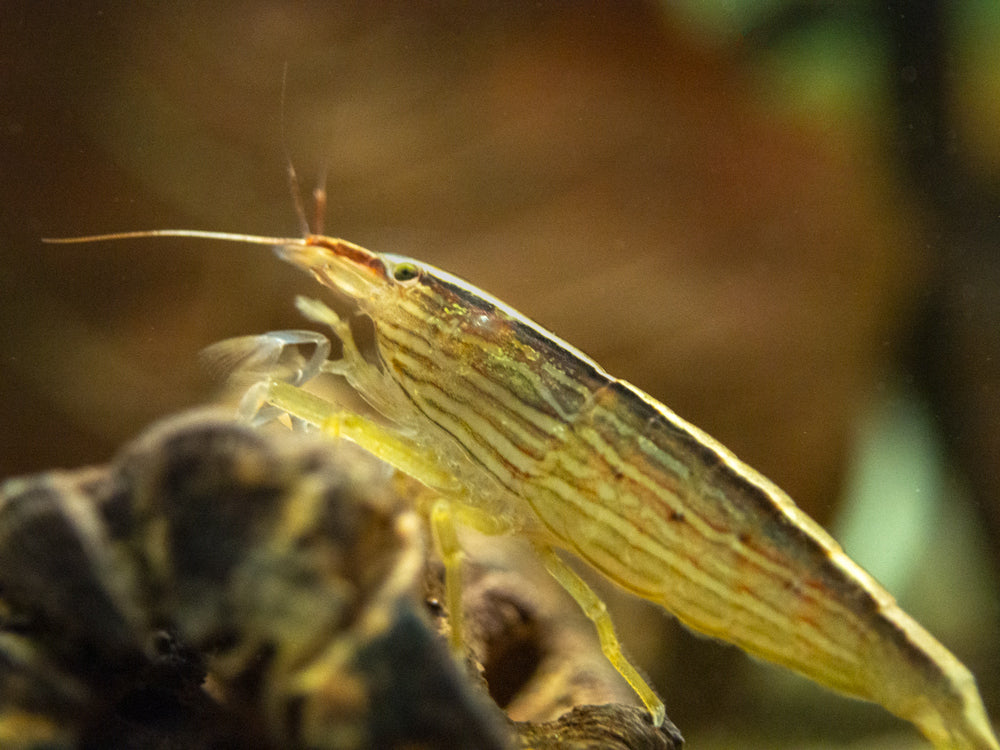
511 424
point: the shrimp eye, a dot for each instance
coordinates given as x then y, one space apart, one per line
405 272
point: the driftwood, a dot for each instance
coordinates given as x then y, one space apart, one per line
217 586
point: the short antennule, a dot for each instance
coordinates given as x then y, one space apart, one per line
254 239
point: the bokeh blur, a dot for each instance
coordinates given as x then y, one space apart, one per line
780 218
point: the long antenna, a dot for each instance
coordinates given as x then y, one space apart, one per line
254 239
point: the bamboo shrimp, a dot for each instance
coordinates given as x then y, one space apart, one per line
518 432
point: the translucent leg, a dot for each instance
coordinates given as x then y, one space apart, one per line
446 541
351 360
269 355
597 613
380 391
379 440
275 354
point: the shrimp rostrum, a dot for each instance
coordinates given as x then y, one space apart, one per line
515 431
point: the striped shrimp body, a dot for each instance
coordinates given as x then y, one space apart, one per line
519 432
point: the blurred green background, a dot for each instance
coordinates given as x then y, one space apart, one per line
780 218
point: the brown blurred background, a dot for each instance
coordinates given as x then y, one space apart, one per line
779 218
